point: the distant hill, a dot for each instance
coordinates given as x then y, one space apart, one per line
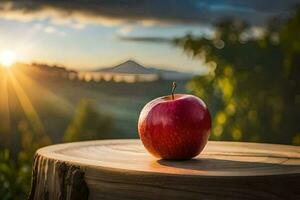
132 67
128 67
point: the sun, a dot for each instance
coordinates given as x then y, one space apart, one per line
8 58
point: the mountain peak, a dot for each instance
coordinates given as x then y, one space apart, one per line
128 67
130 61
132 67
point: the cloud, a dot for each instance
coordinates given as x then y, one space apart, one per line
79 13
48 29
125 30
254 32
146 39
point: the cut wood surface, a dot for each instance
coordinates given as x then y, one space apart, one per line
123 169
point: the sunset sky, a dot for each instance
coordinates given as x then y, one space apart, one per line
87 34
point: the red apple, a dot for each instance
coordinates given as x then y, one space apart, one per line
175 127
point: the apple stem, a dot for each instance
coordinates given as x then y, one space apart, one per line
174 85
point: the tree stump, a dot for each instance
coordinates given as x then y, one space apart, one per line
122 169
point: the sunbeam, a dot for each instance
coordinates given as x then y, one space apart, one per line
63 104
4 109
29 110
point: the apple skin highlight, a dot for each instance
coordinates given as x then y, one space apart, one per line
175 129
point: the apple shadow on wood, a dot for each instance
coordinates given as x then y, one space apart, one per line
227 166
239 179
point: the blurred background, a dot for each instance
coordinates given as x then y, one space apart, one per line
83 70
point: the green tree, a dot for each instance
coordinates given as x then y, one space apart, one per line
252 85
15 167
14 177
88 124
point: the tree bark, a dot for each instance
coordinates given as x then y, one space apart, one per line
68 180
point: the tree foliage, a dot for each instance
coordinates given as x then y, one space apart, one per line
253 85
15 170
14 177
88 124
